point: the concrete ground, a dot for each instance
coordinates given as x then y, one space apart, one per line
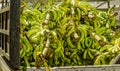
1 69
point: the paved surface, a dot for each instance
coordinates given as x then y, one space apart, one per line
1 69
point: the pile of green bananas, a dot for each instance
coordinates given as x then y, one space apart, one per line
71 33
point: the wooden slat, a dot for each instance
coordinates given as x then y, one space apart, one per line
100 4
4 54
5 9
6 32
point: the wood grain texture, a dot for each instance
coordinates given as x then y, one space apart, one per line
14 33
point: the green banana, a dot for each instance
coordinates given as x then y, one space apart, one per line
27 62
101 30
36 50
26 5
82 33
79 14
88 42
22 53
97 61
58 14
36 6
59 31
53 14
35 38
70 44
110 10
79 47
73 54
90 54
26 44
85 54
103 60
75 31
56 56
32 32
84 6
70 32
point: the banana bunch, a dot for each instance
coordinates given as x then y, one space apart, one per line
69 33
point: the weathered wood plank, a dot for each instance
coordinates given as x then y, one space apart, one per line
14 33
6 32
5 9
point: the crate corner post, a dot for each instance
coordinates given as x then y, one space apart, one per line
14 33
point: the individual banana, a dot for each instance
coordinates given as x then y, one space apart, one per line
97 25
26 44
79 47
88 42
32 32
90 54
82 33
37 49
101 30
83 6
70 44
85 54
110 10
79 14
53 14
26 61
98 60
70 32
22 53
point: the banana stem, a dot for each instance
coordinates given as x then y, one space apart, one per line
44 61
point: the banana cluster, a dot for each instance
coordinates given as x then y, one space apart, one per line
67 34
